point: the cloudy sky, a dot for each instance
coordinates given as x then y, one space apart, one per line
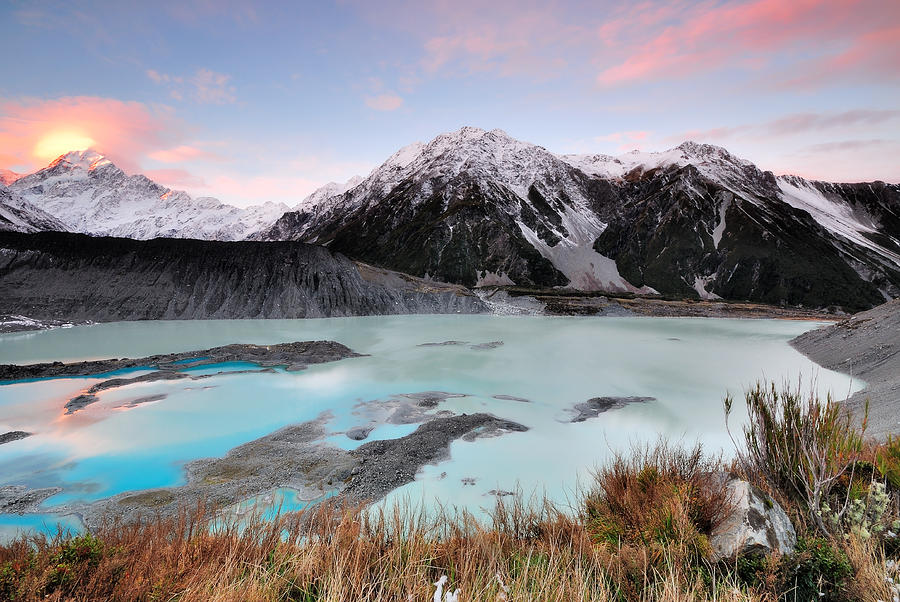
268 101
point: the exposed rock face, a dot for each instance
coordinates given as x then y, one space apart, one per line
76 277
472 207
479 207
751 239
866 346
756 525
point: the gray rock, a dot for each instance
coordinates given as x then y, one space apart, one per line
359 433
18 499
488 345
511 398
757 525
13 436
597 405
442 344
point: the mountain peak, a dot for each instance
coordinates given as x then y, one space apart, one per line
7 176
703 150
88 159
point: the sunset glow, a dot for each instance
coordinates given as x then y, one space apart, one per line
58 143
790 86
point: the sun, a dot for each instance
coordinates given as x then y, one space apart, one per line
60 142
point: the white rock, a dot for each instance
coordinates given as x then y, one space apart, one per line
757 525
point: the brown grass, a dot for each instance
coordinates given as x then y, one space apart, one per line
346 554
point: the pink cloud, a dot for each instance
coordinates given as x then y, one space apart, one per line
258 189
845 35
384 102
792 125
844 161
182 154
626 140
522 40
125 131
175 178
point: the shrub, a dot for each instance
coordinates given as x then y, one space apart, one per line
74 557
799 445
818 570
667 499
887 460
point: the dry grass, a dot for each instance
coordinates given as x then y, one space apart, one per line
345 554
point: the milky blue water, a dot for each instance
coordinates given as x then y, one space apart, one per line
113 446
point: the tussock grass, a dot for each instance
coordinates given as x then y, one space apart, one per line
641 534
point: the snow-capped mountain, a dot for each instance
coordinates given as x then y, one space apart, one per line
331 189
89 194
479 207
7 177
18 215
470 206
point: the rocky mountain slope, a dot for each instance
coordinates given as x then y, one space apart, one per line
89 194
74 277
472 207
18 215
479 207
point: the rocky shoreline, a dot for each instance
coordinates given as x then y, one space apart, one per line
865 346
295 457
566 302
293 356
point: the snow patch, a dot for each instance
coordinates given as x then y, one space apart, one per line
576 258
836 216
719 230
700 286
488 278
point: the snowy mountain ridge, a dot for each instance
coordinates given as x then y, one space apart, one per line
480 207
87 193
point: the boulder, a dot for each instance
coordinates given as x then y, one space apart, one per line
757 524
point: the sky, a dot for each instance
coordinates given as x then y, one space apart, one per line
251 102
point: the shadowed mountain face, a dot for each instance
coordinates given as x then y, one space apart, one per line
687 234
478 207
76 277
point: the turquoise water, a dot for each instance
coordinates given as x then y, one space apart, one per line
13 525
110 446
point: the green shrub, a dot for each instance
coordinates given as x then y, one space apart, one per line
10 576
74 557
817 570
799 445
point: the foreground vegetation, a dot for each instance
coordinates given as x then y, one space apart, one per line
642 534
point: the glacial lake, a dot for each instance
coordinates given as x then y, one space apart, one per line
109 447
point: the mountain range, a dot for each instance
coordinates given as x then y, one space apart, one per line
480 208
